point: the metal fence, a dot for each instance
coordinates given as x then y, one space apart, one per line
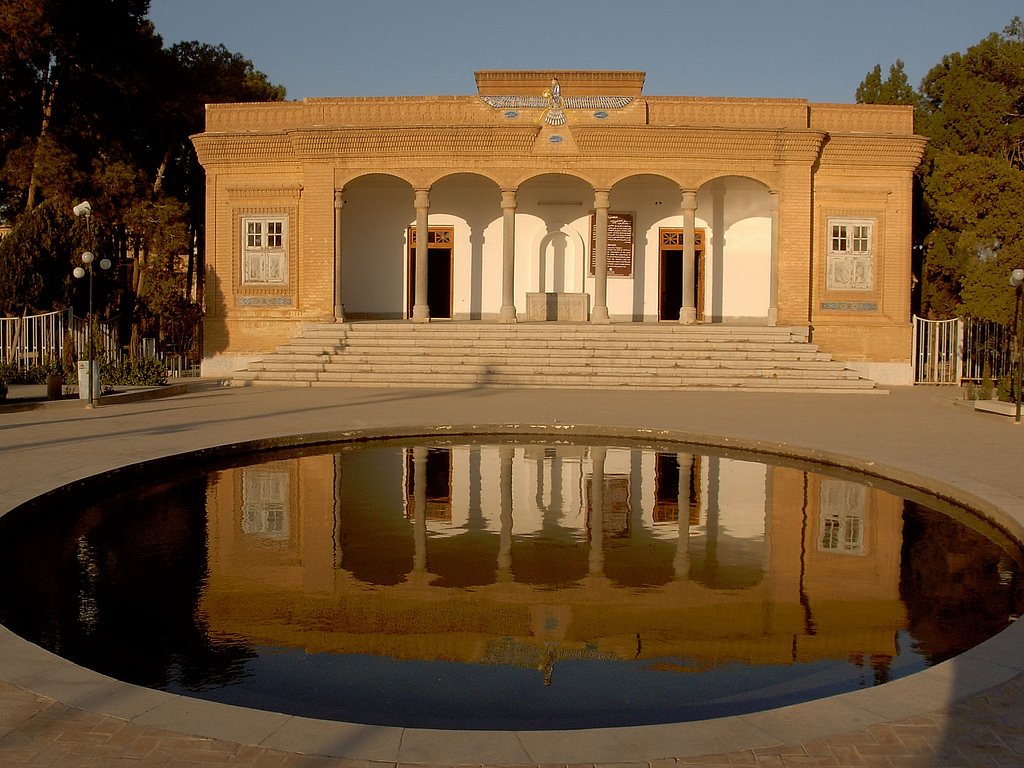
29 341
38 339
961 350
938 351
989 351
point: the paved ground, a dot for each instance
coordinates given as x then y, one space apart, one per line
967 712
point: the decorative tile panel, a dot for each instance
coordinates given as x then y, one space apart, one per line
850 306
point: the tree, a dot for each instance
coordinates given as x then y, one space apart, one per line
74 69
973 177
896 89
94 107
37 258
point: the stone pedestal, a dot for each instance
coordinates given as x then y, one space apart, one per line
566 307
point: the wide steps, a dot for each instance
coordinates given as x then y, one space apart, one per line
549 355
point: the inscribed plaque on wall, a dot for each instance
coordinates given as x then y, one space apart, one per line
620 244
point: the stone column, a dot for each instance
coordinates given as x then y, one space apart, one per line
688 311
420 309
339 309
507 314
601 203
773 281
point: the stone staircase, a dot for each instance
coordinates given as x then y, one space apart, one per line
554 355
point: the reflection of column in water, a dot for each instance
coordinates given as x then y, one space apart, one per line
475 516
419 495
338 556
597 455
636 504
549 482
506 454
769 500
681 563
766 562
711 526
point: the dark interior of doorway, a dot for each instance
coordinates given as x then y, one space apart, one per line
670 273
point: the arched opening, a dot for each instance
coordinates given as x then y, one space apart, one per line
465 270
736 214
376 211
553 229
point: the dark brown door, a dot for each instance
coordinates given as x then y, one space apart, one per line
670 273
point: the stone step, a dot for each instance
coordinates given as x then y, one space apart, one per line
546 355
544 381
336 333
569 366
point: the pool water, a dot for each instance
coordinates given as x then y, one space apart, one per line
484 583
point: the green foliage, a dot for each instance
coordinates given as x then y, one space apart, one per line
1007 388
93 107
972 178
895 89
133 372
37 259
37 374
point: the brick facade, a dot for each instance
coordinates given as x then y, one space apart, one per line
821 163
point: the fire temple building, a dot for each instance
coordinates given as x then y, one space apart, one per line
564 196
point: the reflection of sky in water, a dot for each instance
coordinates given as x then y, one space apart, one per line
442 585
583 693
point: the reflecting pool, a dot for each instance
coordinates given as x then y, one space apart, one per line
482 583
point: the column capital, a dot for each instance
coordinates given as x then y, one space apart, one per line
422 197
339 198
508 197
602 198
689 199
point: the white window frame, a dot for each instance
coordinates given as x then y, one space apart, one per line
265 250
851 254
265 504
842 525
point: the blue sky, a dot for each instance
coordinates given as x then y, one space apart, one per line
819 50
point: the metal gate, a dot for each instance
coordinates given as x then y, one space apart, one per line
938 351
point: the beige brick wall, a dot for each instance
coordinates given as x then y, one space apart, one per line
822 160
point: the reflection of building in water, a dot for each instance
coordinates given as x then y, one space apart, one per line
455 552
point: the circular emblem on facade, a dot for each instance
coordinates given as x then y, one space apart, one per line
511 114
601 115
554 138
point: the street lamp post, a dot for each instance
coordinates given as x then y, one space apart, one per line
88 258
1017 281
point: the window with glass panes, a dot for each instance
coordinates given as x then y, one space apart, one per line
264 252
850 255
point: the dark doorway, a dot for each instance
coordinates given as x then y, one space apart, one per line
670 273
440 244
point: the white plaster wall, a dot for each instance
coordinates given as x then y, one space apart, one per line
376 213
654 202
472 205
546 206
735 212
553 243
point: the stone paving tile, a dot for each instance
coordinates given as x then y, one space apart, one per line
983 731
980 732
